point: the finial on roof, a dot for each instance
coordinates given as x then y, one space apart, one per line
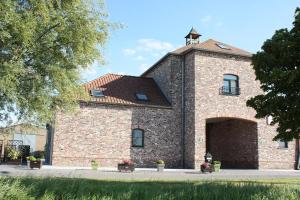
192 37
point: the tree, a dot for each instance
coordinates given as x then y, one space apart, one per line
277 67
43 47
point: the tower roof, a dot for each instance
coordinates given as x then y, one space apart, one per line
194 33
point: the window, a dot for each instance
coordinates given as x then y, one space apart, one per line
97 93
141 97
282 144
230 85
138 138
222 46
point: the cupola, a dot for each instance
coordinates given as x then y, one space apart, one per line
192 37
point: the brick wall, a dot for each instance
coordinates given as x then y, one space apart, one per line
209 71
103 133
233 142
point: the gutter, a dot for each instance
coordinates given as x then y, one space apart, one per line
183 110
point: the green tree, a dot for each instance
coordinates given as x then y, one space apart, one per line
43 46
277 67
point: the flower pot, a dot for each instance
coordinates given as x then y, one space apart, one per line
160 167
125 167
206 167
217 167
35 164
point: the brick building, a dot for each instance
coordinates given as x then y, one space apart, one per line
192 101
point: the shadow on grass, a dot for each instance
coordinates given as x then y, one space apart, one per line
67 188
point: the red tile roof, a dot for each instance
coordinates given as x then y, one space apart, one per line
212 46
121 90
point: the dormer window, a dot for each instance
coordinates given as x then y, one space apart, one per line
141 97
230 85
97 93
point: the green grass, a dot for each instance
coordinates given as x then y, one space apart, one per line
67 188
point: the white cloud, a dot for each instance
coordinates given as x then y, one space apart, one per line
206 19
149 44
129 52
219 24
93 71
139 58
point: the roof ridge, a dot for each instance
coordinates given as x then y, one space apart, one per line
114 74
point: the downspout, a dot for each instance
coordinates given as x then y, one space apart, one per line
183 110
50 142
298 156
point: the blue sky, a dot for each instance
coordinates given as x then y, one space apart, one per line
152 28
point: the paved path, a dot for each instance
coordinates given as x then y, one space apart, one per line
148 174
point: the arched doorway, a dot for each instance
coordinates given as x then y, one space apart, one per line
232 141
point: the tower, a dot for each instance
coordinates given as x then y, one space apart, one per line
192 37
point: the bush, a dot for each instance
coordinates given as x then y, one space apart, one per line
94 164
13 154
160 162
216 162
31 158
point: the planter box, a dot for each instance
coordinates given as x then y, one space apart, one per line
125 168
35 164
160 167
14 162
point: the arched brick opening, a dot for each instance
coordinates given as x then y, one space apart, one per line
232 141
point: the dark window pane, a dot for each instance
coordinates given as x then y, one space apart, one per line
137 138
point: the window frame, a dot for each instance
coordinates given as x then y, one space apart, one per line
141 93
132 138
237 82
101 94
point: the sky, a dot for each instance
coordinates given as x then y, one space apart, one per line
154 27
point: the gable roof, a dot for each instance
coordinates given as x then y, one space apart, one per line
206 46
122 89
212 46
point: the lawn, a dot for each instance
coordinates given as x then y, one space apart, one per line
67 188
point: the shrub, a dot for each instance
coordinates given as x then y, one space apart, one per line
13 154
94 164
160 162
216 162
127 162
31 158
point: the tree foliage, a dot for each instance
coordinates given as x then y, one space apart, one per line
277 67
43 46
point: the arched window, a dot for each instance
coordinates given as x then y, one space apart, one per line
230 84
137 138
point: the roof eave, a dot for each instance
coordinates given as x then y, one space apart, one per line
124 104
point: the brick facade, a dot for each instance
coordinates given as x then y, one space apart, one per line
178 135
81 137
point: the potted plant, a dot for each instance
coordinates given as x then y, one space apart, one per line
160 165
206 167
34 162
217 166
94 164
13 156
40 155
126 165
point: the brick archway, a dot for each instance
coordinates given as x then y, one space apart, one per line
233 141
